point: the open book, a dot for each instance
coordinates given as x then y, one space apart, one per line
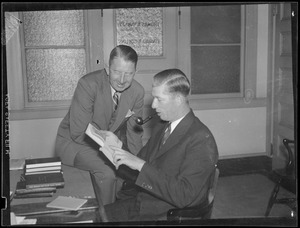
104 139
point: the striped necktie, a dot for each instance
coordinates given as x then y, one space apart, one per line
115 100
115 106
166 135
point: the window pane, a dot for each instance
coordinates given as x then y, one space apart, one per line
215 70
53 28
52 74
215 24
141 28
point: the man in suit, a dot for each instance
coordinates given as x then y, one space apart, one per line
174 173
93 103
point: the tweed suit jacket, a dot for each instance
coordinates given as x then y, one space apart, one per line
176 175
92 103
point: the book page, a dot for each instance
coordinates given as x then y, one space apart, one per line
105 139
95 134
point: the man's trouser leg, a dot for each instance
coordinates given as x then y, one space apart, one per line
103 176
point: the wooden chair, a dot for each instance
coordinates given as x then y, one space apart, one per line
202 211
286 178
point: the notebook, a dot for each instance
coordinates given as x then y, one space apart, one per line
67 202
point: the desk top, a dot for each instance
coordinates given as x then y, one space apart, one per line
77 184
87 213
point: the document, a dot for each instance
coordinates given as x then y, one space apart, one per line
18 220
67 202
104 139
16 164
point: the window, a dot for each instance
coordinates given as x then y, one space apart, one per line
46 56
221 63
216 60
54 51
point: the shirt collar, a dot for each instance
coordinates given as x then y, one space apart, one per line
113 92
175 123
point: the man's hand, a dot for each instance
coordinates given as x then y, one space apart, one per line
121 156
111 139
108 152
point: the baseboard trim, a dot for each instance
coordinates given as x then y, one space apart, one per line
245 165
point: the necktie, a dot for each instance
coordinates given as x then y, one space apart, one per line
115 100
166 135
115 106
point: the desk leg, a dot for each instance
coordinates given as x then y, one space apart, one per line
98 197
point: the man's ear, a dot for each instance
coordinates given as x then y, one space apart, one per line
106 68
178 98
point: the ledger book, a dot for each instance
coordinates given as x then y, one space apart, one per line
42 162
45 180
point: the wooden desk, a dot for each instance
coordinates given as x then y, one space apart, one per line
86 214
77 184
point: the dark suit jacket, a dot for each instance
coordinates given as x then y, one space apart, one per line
177 175
92 103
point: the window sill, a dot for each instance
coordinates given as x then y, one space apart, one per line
45 113
226 103
196 104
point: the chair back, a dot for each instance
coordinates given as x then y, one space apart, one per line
202 211
213 186
290 167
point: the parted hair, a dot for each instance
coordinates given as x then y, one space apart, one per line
175 79
125 52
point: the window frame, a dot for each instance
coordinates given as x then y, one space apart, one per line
19 109
242 62
85 46
249 71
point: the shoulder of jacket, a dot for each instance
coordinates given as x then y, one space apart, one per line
93 79
92 76
137 86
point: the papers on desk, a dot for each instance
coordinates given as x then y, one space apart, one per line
67 202
85 221
18 220
16 164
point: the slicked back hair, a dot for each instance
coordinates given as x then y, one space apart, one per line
125 52
175 80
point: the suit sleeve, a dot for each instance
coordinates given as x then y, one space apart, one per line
134 131
185 186
81 111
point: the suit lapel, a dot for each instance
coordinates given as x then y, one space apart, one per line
177 134
107 91
156 145
106 102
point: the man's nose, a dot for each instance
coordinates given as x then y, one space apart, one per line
122 77
153 105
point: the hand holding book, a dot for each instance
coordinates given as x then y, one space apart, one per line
105 139
111 139
123 157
